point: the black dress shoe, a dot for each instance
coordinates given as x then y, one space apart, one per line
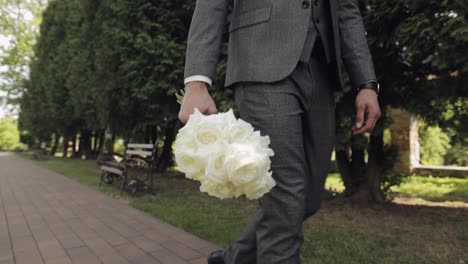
216 257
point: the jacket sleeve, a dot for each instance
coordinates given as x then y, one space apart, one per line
205 37
354 48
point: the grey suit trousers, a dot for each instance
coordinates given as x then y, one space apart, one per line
298 114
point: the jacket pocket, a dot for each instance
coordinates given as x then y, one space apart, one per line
249 17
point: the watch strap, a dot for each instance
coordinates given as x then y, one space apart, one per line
373 85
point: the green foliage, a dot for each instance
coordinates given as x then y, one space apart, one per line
119 146
434 144
458 154
447 189
418 53
9 134
19 20
106 65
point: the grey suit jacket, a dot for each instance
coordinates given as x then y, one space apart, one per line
266 38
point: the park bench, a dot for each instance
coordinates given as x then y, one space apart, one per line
135 170
38 153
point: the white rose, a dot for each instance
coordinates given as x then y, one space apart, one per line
222 191
243 163
207 135
225 118
258 188
193 120
215 158
238 131
185 152
261 143
189 163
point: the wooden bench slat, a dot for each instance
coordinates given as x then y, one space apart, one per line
139 152
112 170
142 146
111 163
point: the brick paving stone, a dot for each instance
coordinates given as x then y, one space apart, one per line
167 257
24 244
6 252
70 241
5 255
51 250
144 259
113 238
145 243
59 260
133 253
199 261
113 260
46 218
181 250
28 257
100 247
82 255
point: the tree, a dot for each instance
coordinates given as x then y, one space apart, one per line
110 66
19 21
418 54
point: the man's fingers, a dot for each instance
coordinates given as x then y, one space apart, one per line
373 117
183 117
212 109
367 108
360 116
371 120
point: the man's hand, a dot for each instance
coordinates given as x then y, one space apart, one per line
196 96
366 102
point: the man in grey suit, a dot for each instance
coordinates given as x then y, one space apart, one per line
284 64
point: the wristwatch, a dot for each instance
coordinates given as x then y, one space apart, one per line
372 84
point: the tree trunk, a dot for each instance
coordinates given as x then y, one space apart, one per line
101 142
110 144
154 134
165 160
95 144
65 146
75 152
344 167
358 163
351 169
375 167
370 191
85 143
53 150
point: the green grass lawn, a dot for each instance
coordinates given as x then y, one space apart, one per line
339 233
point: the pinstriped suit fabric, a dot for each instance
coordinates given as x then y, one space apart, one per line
298 114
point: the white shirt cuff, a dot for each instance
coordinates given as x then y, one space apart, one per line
200 78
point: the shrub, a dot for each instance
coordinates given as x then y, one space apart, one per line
434 145
9 134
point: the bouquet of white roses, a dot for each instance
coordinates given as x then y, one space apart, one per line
225 154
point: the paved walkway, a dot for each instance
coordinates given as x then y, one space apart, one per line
48 218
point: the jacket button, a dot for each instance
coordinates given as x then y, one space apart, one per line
316 2
305 4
